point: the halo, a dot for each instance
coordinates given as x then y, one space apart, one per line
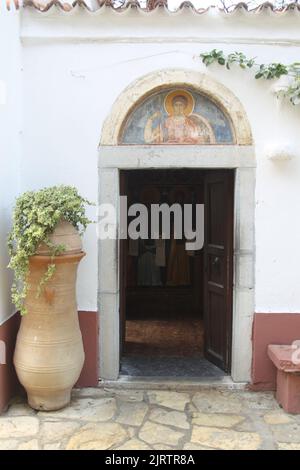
170 96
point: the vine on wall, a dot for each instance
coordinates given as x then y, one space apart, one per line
275 70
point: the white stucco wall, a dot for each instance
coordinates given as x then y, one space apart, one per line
76 65
10 141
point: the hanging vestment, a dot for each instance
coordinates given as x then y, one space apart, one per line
148 272
178 273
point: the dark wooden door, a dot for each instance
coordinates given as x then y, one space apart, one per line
123 268
218 266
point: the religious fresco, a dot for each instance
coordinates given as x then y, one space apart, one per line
177 116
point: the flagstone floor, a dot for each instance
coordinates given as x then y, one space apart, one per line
155 419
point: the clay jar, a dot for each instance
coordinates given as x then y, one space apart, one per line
49 353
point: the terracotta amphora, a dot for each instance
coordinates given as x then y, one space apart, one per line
49 353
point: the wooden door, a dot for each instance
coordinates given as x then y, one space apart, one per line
218 266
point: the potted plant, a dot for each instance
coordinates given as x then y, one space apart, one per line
45 249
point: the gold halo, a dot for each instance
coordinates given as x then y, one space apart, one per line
190 101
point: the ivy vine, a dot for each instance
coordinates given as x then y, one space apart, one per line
271 71
35 217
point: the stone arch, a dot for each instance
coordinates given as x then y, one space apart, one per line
240 156
157 81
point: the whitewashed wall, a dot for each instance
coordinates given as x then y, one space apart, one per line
10 141
75 66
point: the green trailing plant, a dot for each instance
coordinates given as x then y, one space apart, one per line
35 216
271 71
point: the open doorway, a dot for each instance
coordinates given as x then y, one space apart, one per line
176 304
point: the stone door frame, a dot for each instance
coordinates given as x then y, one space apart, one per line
240 156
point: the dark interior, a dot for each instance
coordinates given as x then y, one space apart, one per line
164 284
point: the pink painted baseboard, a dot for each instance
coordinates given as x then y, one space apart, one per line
270 328
9 384
89 325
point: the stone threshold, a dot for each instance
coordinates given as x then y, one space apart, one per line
171 383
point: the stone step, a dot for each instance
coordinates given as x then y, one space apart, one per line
165 383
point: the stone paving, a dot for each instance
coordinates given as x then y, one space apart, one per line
155 419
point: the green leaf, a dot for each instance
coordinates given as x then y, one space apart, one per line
271 71
35 216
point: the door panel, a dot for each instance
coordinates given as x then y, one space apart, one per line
218 260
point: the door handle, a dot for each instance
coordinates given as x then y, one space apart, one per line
216 261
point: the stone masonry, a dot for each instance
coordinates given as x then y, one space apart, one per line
153 419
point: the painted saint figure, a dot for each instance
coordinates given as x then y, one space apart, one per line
181 126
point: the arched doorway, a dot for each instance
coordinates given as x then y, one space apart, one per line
216 148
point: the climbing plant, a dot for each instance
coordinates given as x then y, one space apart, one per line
35 217
271 71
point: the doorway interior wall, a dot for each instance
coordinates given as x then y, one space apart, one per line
176 304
